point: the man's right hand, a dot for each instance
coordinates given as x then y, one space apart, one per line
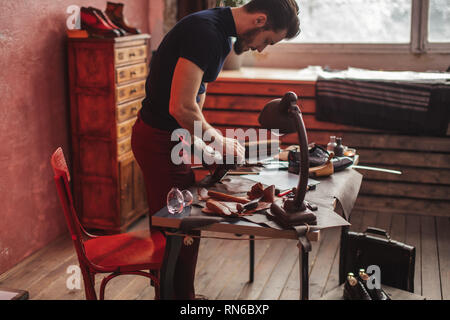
232 147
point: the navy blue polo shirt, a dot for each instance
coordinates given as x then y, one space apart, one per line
204 39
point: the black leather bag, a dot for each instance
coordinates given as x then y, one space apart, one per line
395 259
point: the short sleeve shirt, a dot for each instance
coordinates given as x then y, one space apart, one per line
202 38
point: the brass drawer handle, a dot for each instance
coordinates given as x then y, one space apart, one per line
133 91
132 54
133 73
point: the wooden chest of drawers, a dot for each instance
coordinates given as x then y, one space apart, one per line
107 85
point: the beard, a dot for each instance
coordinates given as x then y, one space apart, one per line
245 39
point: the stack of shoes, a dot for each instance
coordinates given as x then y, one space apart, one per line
110 24
355 288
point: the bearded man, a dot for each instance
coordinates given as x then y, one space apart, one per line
189 57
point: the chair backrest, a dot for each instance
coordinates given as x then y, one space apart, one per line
62 178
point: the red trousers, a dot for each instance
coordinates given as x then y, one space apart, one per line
152 148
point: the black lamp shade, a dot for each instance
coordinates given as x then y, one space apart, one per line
275 114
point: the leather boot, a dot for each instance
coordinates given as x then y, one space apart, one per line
108 21
115 13
354 289
375 294
95 26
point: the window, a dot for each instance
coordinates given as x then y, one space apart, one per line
439 21
355 21
356 26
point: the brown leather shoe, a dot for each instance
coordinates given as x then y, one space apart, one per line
114 11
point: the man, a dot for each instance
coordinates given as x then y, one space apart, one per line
190 56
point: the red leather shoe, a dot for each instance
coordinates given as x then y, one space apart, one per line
105 18
115 13
95 26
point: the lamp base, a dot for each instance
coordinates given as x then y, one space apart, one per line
292 219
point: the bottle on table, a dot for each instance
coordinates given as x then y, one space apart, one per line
339 149
332 144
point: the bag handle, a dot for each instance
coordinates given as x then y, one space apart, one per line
378 231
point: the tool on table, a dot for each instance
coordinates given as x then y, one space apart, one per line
253 204
219 171
285 193
376 169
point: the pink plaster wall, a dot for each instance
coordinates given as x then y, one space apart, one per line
34 118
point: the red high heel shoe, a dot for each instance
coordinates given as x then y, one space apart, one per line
95 26
115 13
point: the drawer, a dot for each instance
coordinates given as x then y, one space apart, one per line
124 146
128 110
126 186
135 71
124 129
130 54
130 91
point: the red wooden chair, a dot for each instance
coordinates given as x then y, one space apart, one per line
126 253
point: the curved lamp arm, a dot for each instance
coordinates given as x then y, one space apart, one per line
285 115
297 204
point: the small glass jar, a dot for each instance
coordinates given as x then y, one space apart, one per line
175 201
332 144
339 149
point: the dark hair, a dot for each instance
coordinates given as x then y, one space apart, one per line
281 15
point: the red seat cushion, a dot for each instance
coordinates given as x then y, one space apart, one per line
127 251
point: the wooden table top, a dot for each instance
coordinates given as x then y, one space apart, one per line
324 197
231 225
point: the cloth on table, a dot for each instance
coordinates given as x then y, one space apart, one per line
413 107
343 186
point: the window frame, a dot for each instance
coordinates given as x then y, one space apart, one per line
418 44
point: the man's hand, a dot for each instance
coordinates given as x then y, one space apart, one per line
222 147
231 147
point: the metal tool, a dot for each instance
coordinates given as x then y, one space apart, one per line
250 205
376 169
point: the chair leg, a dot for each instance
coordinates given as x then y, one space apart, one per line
156 285
89 283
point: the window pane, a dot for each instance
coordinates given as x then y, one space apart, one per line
354 21
439 21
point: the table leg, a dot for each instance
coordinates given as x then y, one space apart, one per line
343 248
252 258
173 247
303 269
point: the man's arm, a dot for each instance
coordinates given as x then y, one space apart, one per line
202 97
184 108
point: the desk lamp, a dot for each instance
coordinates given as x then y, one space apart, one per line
285 115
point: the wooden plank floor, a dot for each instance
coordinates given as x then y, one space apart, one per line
223 266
